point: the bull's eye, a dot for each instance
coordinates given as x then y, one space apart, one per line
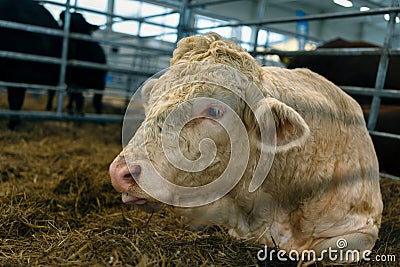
214 112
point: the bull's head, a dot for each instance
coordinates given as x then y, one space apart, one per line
209 130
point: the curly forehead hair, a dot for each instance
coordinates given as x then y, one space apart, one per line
177 100
212 47
185 92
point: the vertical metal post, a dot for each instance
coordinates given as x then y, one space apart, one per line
382 70
110 10
75 5
189 21
260 15
140 21
184 20
301 30
396 39
139 28
361 30
64 58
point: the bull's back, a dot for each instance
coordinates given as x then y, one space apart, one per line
311 94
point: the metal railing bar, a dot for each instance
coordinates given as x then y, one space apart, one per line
47 115
30 28
141 55
79 63
158 35
383 134
72 62
332 52
334 15
160 15
121 91
85 37
393 93
212 2
170 3
29 57
389 176
37 88
78 36
27 85
88 91
109 92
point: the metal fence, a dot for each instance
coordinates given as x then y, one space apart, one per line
128 69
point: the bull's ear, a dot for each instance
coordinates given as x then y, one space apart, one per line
146 92
291 129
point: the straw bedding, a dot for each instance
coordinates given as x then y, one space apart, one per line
58 208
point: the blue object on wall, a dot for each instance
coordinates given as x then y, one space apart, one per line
301 30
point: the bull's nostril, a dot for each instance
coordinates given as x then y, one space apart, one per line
128 176
136 171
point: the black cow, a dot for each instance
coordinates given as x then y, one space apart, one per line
14 70
25 71
351 70
79 78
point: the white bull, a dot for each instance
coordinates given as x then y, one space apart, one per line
321 183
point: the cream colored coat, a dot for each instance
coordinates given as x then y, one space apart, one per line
324 181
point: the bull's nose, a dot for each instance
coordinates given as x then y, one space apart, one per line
121 176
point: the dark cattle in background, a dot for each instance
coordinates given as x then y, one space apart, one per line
13 70
361 71
351 70
387 149
79 78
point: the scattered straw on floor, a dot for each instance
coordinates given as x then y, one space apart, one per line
58 208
